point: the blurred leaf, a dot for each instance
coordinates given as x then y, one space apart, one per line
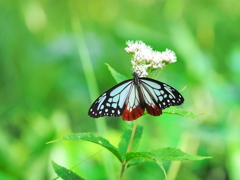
6 176
65 173
117 76
164 154
181 112
123 144
144 155
138 161
173 154
133 155
94 139
130 123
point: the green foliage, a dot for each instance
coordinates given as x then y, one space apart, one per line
156 155
123 144
180 112
44 92
164 154
94 139
117 76
64 173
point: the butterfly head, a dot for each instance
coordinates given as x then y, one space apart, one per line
135 74
136 78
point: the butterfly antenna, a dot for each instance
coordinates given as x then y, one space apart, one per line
183 88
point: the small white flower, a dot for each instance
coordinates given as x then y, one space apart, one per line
141 70
169 56
144 59
136 46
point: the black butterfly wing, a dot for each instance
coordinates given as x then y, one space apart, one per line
128 99
158 95
113 101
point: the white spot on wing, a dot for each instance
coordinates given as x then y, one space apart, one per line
160 98
114 105
116 98
157 92
168 89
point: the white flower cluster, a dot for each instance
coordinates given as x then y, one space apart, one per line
144 59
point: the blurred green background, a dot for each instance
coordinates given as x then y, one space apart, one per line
52 56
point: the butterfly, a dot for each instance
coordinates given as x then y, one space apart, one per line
130 98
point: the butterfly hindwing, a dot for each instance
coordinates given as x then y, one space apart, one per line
150 102
134 108
112 102
160 94
129 99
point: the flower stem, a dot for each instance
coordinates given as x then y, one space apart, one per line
124 164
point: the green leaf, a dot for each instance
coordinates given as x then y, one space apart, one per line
162 154
180 112
123 144
117 76
143 155
173 154
134 155
94 139
130 123
65 173
138 161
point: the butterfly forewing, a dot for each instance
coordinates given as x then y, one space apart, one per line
161 94
130 98
112 102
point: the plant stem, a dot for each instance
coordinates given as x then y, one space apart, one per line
87 66
124 164
132 136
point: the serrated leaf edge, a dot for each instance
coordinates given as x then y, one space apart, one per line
77 136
